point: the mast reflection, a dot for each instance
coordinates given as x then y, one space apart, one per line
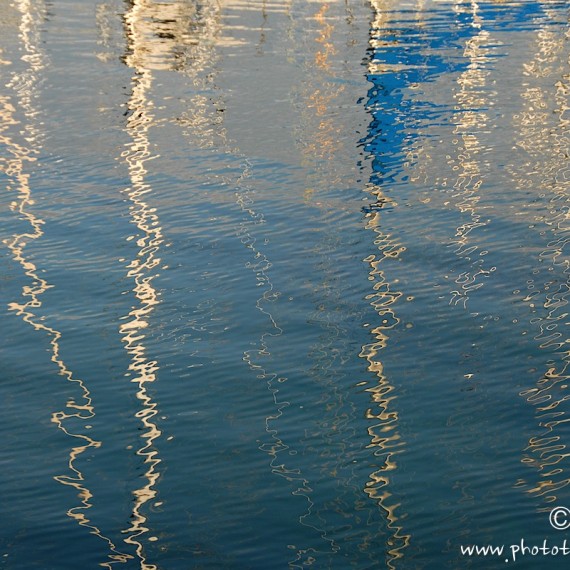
385 437
16 167
148 42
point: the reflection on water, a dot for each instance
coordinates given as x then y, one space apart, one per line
472 100
79 409
146 52
290 406
452 163
170 35
542 125
319 137
386 439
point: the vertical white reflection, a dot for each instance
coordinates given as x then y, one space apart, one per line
15 165
142 269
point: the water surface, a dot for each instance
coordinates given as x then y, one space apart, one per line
284 284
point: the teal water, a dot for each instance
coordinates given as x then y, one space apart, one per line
284 284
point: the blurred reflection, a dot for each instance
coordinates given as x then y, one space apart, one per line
175 35
181 36
543 137
472 98
15 165
319 137
318 100
323 131
111 37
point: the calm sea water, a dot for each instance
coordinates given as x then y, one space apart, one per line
284 284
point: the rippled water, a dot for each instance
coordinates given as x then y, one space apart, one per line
283 284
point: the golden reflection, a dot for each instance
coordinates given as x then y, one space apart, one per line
470 119
147 51
319 101
385 437
15 166
320 133
543 137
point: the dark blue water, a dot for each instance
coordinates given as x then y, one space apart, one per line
284 285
